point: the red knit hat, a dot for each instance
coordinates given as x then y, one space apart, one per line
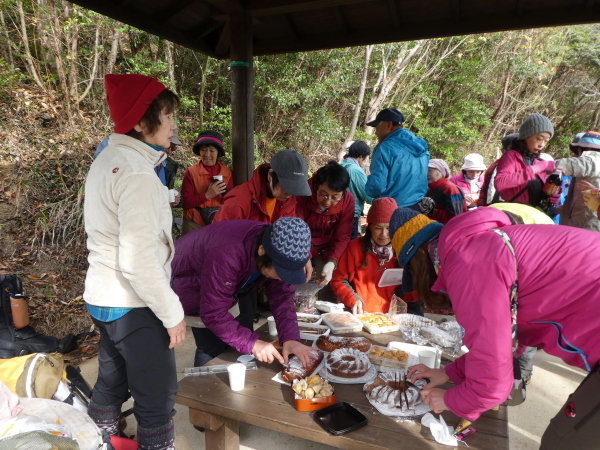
129 97
381 210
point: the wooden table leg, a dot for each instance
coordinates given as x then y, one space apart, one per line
221 433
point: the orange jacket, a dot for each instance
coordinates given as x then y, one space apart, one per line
350 282
194 186
248 201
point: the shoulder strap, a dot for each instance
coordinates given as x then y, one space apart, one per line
522 191
514 296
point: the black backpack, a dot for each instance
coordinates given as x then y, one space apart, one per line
25 340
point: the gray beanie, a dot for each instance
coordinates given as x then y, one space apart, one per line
535 123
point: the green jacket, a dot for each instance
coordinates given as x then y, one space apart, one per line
358 180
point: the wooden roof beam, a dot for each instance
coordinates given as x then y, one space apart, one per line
589 4
293 29
176 8
456 9
273 7
339 15
224 43
394 13
227 6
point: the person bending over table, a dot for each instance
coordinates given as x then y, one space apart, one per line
479 256
214 266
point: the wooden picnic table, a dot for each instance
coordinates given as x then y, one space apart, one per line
268 404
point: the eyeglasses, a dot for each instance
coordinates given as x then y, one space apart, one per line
333 198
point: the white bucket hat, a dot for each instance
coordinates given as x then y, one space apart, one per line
473 161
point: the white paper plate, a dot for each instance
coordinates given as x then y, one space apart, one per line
366 378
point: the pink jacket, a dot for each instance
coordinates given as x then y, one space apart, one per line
549 291
513 175
463 184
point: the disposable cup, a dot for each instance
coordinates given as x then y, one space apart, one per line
237 376
427 357
272 327
217 177
172 194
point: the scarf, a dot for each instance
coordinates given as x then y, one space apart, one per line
474 185
383 253
353 160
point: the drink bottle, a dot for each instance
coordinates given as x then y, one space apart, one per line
551 187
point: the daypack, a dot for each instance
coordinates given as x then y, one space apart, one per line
22 341
44 375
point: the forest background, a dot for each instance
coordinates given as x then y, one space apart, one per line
460 93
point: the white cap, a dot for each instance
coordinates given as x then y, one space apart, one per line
473 161
349 144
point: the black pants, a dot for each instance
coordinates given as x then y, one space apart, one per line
134 360
581 430
209 345
355 228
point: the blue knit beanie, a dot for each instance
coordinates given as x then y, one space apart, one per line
410 230
287 242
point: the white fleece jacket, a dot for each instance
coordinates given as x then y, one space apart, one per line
128 223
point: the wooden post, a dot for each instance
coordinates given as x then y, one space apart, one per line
242 103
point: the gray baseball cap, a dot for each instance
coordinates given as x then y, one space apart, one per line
292 172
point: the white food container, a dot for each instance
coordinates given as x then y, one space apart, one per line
317 319
311 336
413 352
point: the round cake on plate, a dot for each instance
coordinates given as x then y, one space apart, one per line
390 391
348 363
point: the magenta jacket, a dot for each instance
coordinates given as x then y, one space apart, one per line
463 184
211 264
477 270
513 175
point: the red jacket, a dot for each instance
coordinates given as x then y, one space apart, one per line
247 201
352 282
330 229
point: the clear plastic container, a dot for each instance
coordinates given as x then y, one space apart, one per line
378 356
343 322
314 319
311 331
413 352
377 323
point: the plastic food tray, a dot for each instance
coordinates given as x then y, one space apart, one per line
411 320
340 418
387 362
343 322
413 352
378 330
313 317
319 330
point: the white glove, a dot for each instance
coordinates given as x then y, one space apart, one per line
327 271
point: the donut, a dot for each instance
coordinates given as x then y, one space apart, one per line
331 343
348 363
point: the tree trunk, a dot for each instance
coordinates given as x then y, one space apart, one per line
60 67
31 68
359 102
9 54
94 67
390 81
170 64
202 91
114 50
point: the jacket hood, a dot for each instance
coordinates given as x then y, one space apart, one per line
413 144
154 157
468 224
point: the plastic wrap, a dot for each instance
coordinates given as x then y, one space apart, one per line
397 306
446 336
305 298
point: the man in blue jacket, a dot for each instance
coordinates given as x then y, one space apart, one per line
399 161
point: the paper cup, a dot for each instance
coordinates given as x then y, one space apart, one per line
217 177
272 327
172 194
427 357
237 376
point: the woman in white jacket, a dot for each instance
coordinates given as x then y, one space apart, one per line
127 287
584 166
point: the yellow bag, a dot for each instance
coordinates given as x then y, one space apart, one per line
33 376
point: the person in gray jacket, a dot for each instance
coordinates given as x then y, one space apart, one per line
584 166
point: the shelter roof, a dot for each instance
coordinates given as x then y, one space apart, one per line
283 26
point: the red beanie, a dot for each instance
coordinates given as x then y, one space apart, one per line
381 210
129 97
